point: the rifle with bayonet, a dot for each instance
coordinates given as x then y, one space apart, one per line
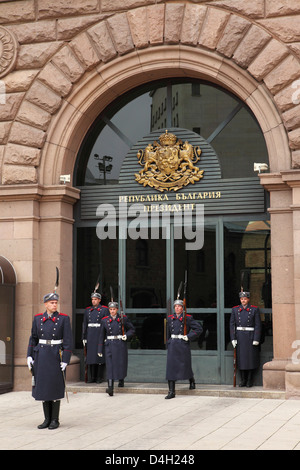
121 309
184 303
60 350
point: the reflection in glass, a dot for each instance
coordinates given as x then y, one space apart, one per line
214 113
100 257
247 261
208 340
201 271
145 273
149 331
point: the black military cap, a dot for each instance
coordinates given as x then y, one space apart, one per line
96 294
244 294
51 296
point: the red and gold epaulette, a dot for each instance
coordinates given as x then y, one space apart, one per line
38 314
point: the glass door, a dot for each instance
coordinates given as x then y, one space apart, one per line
7 293
202 300
247 264
153 271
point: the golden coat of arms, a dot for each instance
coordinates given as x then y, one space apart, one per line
169 165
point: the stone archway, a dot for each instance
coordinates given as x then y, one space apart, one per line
136 68
127 49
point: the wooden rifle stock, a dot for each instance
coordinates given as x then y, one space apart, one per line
85 364
64 378
184 304
234 367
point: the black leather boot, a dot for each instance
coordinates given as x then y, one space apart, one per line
54 415
192 384
99 377
121 383
91 373
250 379
171 393
47 414
110 388
243 379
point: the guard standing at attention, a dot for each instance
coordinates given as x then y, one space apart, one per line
114 332
179 359
90 337
49 353
245 333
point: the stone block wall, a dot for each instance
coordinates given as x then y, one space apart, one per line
49 45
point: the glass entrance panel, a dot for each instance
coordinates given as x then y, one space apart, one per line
201 297
6 337
146 290
247 265
201 271
95 258
145 273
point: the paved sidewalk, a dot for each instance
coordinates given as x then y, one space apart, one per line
146 421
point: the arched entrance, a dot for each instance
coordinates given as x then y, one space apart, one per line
97 90
236 231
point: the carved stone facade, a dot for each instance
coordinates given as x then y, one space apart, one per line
62 62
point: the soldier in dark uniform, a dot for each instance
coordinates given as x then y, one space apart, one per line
49 353
179 359
90 337
112 345
245 333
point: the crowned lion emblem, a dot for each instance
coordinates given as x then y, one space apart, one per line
169 164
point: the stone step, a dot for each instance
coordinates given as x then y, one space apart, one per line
181 389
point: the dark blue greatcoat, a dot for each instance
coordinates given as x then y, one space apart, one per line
179 359
49 383
249 317
115 350
90 332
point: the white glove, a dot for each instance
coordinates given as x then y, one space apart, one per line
185 338
234 343
84 341
255 343
100 355
63 365
30 362
124 337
